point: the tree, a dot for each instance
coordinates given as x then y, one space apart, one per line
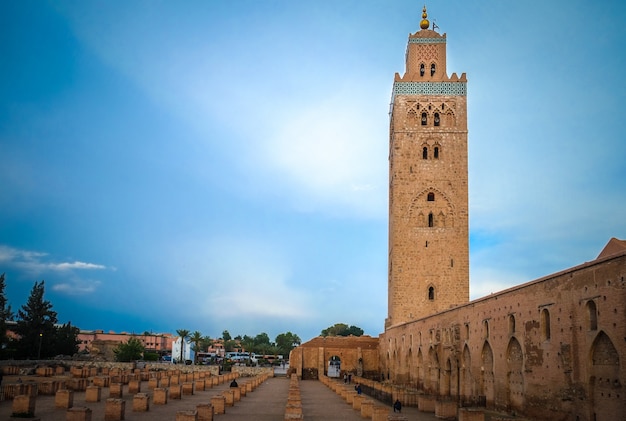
66 340
35 326
132 350
342 329
226 336
285 342
184 334
196 339
5 315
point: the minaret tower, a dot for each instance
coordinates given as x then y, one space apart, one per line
428 190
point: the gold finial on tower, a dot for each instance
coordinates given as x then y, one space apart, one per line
424 24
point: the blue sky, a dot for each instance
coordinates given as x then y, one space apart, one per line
223 165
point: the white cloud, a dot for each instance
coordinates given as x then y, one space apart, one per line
76 265
77 287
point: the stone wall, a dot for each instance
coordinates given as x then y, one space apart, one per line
548 348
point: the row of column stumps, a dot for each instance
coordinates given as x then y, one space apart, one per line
293 409
164 384
442 408
368 407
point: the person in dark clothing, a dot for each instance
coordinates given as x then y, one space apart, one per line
234 383
397 406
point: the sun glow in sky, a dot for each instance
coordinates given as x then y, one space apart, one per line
223 165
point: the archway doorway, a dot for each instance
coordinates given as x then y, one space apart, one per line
334 367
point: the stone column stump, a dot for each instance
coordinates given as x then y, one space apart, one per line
426 403
64 398
116 390
356 402
24 405
219 404
188 388
205 412
445 409
134 386
471 414
176 391
160 396
141 402
78 413
380 413
190 415
114 409
93 394
229 396
367 405
200 386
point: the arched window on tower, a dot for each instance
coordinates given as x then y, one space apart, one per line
436 153
432 69
424 119
593 315
437 119
425 153
422 69
431 197
431 293
431 221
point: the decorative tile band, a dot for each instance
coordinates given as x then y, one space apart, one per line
427 40
429 88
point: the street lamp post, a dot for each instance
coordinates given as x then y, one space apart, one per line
39 352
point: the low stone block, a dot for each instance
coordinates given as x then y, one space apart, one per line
116 391
114 409
219 404
64 398
78 413
229 397
367 406
93 394
187 415
134 386
24 405
205 412
380 413
176 391
141 402
426 403
160 396
188 388
471 414
445 409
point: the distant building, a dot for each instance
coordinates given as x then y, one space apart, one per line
188 353
94 341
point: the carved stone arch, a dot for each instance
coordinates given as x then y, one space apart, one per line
441 208
445 378
434 369
466 374
412 117
420 369
487 375
448 118
515 374
604 382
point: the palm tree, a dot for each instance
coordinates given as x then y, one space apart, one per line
196 338
183 333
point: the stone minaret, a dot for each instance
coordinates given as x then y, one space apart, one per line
428 191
